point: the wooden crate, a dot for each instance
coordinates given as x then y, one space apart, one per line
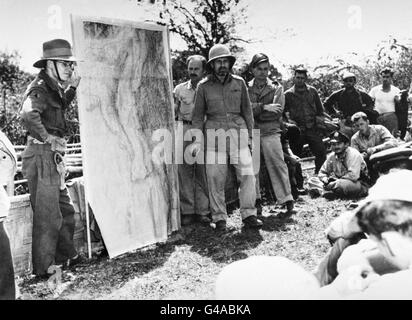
19 225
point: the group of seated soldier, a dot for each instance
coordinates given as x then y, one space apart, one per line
348 170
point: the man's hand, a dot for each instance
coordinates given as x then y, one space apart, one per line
57 144
325 180
328 180
295 157
292 122
370 151
274 107
74 80
194 148
330 186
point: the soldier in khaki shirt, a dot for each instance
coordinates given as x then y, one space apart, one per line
193 192
222 102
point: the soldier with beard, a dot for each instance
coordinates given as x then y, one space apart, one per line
222 106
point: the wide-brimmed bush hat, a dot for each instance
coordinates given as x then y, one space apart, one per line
220 51
56 49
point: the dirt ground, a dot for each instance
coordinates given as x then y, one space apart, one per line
186 266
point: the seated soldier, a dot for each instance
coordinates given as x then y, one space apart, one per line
292 161
370 139
344 171
385 217
382 264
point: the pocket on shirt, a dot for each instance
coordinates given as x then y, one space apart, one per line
235 100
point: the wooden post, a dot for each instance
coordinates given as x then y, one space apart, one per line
89 242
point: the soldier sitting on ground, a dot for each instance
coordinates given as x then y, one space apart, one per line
370 139
344 172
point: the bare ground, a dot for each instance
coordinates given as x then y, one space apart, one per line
187 265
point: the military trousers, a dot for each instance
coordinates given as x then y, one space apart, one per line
390 121
276 167
316 146
53 211
217 167
348 188
193 191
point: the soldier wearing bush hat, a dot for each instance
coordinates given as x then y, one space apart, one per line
222 102
43 114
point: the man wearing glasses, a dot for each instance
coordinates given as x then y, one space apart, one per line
347 101
43 107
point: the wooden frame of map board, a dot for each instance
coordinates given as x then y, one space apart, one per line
125 95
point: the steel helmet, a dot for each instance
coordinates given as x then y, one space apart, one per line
220 51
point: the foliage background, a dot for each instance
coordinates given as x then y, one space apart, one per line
201 24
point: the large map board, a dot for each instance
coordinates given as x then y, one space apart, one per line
125 94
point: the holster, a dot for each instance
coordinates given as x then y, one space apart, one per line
61 168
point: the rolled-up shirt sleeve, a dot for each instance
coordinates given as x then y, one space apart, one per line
389 140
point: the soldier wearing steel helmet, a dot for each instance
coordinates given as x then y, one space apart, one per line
222 102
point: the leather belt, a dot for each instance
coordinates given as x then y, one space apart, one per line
34 140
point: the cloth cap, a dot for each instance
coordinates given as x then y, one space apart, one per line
57 49
220 51
347 74
339 136
301 70
257 59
